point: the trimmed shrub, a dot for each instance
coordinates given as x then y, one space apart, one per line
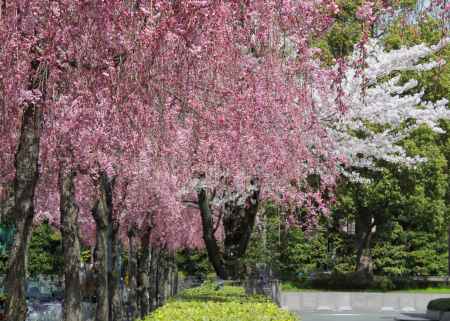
439 305
228 304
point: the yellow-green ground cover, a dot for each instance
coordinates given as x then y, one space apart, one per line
228 304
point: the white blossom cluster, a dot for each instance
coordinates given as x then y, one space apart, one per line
379 106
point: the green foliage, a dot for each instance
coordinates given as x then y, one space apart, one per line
193 263
288 250
86 256
45 253
229 304
338 42
435 83
410 206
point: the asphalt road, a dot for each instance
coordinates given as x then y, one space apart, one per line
324 316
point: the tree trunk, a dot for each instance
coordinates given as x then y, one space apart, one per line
153 278
173 276
214 254
143 274
27 173
71 247
364 236
238 223
132 276
115 295
162 277
101 214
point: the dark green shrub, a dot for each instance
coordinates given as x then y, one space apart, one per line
439 305
383 283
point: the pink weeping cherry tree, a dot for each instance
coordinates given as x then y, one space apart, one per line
73 102
251 129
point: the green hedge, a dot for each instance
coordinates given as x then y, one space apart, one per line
439 305
228 304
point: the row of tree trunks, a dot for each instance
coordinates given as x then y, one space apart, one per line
107 258
152 275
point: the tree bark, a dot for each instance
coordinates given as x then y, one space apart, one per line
27 173
163 273
214 254
173 275
101 214
132 275
238 223
71 247
153 278
143 274
364 234
115 295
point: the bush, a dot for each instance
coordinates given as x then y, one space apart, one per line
383 283
342 281
228 304
439 305
349 281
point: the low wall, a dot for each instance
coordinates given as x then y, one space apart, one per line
357 301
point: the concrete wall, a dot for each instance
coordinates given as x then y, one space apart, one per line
357 301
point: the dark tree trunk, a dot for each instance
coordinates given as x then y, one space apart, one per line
163 278
157 279
143 274
153 278
214 254
364 234
115 296
71 247
173 275
27 173
132 275
238 223
101 214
